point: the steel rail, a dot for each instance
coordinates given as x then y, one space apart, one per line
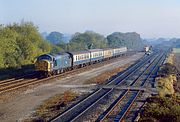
108 111
131 101
129 72
60 117
78 108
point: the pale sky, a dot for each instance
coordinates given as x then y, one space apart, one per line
150 18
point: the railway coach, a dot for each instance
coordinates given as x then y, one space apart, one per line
80 58
108 53
96 55
119 51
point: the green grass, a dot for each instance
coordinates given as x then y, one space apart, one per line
176 50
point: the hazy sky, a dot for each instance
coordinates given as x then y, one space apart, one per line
150 18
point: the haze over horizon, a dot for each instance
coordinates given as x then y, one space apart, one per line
151 19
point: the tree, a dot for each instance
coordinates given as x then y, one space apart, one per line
20 44
8 48
130 40
55 38
87 40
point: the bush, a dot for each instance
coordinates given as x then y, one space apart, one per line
167 69
165 80
161 109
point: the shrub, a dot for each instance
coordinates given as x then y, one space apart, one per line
161 109
167 69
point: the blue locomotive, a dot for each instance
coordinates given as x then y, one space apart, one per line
51 64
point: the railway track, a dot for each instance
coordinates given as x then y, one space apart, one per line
130 71
17 78
31 79
119 108
126 108
75 112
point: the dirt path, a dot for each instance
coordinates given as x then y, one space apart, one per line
24 105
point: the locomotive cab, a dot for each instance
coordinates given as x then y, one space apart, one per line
51 64
43 64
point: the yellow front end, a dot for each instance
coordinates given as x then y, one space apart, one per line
43 65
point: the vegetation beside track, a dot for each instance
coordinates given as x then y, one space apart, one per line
103 77
52 106
176 50
161 109
165 107
167 77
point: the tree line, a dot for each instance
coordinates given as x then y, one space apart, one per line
21 43
93 40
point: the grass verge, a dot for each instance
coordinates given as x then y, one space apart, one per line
165 107
161 109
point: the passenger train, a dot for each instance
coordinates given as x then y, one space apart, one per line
52 64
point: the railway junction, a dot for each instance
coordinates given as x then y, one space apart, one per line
113 102
119 99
